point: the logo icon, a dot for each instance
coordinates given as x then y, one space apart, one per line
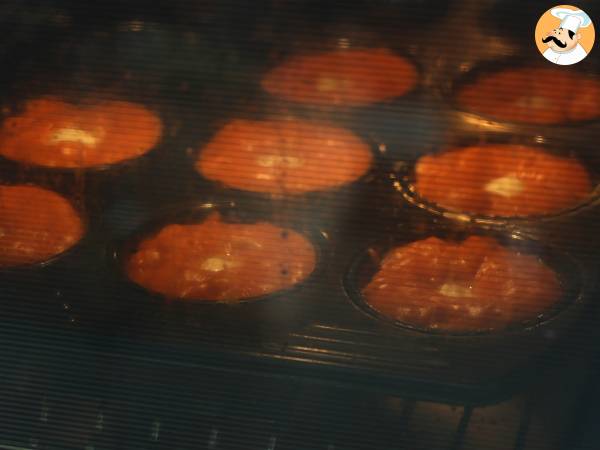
565 35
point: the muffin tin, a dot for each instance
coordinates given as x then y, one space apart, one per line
325 333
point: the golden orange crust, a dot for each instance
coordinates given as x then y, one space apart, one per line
35 225
502 180
283 157
53 133
219 261
538 96
474 285
342 78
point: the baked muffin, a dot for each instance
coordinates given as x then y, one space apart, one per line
473 285
216 261
346 78
502 180
533 95
35 225
53 133
283 156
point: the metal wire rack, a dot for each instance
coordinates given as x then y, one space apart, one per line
63 396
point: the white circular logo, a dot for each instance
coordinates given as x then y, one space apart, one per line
565 35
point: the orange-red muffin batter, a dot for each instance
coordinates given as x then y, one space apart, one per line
502 180
342 78
533 95
474 285
53 133
219 261
35 225
284 156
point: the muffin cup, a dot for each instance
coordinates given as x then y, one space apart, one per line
402 178
480 121
474 358
568 270
326 206
341 40
40 291
153 314
97 185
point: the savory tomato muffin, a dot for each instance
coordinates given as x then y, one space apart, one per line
502 180
51 132
473 285
533 95
35 225
346 78
284 156
221 262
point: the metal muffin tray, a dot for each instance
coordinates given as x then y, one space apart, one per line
197 80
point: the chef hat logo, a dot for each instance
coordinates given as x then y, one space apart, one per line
571 19
565 35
